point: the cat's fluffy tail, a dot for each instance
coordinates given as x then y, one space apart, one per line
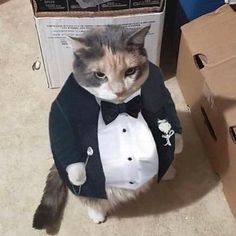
49 213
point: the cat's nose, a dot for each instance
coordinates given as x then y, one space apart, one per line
120 93
117 88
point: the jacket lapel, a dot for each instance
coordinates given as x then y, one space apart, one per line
153 109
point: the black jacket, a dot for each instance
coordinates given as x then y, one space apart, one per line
73 125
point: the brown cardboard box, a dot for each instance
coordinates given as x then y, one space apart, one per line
207 77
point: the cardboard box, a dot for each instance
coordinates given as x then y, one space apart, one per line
92 5
114 5
144 3
53 27
74 6
60 5
230 1
206 75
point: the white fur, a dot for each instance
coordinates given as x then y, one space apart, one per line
96 215
103 92
76 173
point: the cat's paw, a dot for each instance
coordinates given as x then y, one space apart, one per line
76 173
179 144
95 215
170 173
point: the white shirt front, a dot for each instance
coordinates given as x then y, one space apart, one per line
127 150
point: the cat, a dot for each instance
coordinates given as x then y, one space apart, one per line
111 63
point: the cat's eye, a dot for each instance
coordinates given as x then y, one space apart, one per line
130 71
100 75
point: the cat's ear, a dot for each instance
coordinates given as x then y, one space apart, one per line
76 43
138 37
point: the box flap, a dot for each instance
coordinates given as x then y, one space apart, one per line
213 35
64 10
221 82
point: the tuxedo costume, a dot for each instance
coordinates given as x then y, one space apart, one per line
73 129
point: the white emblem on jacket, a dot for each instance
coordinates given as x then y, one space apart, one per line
165 127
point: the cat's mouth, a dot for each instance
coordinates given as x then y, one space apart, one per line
116 100
120 98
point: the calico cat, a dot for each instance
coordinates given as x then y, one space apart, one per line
110 63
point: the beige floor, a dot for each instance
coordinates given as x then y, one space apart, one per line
192 205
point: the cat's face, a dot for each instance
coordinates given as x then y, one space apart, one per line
111 62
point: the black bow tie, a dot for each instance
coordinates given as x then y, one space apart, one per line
110 110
